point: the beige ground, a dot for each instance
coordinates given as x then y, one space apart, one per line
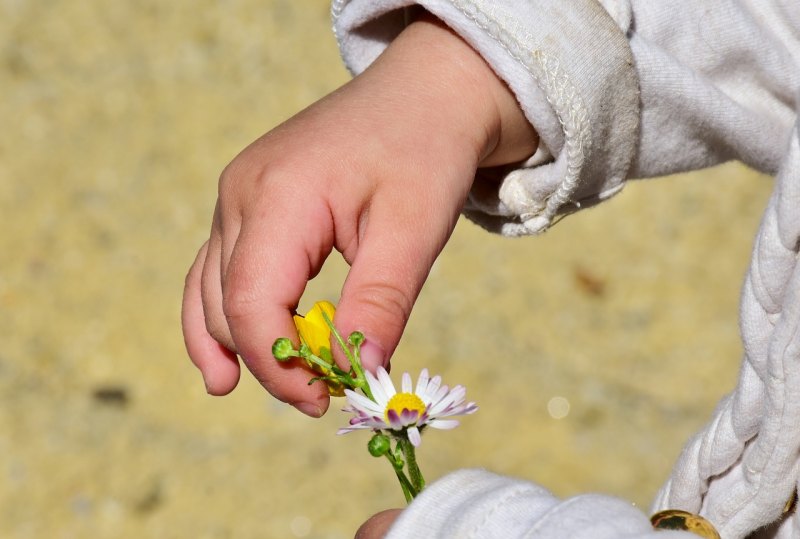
117 118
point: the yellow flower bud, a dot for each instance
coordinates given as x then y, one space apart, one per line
314 331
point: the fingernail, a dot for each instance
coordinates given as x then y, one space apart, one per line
372 356
308 408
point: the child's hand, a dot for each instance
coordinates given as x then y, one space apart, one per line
378 524
378 170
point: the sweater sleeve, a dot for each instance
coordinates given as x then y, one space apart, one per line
616 89
719 81
479 504
571 99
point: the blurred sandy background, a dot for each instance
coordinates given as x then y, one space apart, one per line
117 118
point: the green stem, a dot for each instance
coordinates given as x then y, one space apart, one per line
353 358
411 461
359 370
321 363
408 489
338 337
338 374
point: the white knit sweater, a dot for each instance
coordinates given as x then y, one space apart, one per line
621 89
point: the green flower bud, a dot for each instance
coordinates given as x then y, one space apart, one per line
379 445
283 349
355 338
398 461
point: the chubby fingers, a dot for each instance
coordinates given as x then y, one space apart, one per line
211 283
218 365
273 256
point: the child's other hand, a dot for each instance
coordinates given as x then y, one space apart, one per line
378 170
378 524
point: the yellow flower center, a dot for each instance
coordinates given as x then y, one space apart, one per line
404 401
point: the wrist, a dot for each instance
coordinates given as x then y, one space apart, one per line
481 98
457 93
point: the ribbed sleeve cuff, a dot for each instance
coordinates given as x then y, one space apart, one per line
569 65
479 504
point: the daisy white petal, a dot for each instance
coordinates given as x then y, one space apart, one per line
345 430
409 417
433 384
443 424
451 399
395 422
439 395
409 410
378 392
360 402
414 436
406 383
386 382
377 389
422 384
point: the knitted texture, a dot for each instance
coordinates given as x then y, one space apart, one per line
742 468
586 113
638 88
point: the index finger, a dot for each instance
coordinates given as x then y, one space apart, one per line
265 277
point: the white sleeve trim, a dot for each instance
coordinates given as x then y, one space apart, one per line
586 112
476 504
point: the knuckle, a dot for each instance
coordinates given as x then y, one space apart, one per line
389 303
245 185
260 172
241 294
229 176
237 302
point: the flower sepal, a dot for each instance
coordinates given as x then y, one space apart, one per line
283 349
355 339
397 459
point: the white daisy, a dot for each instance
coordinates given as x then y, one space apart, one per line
408 410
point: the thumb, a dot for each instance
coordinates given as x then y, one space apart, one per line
392 262
378 524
